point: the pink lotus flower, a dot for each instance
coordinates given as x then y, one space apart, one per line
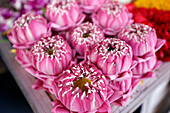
90 6
84 36
51 55
144 43
112 56
28 29
23 57
64 14
144 69
58 107
141 38
81 88
122 89
112 17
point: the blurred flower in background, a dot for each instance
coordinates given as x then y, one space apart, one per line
7 17
12 9
158 4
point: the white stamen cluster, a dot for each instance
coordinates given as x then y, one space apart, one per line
137 32
77 72
25 19
112 8
55 44
113 48
95 34
61 6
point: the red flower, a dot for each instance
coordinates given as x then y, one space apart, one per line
163 31
142 15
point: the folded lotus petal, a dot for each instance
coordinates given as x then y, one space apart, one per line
134 63
23 57
135 83
148 75
81 88
41 76
80 19
124 76
120 102
123 100
31 70
142 68
105 108
112 17
157 65
43 84
112 77
90 6
38 85
145 57
116 95
145 76
125 83
27 30
140 37
125 97
88 9
84 36
121 89
159 44
51 55
64 14
112 56
109 92
58 107
37 73
109 31
10 37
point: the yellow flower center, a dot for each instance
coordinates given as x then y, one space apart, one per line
50 52
86 35
81 84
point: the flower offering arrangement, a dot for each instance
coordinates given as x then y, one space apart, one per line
89 54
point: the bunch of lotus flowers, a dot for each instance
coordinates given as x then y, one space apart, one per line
86 70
